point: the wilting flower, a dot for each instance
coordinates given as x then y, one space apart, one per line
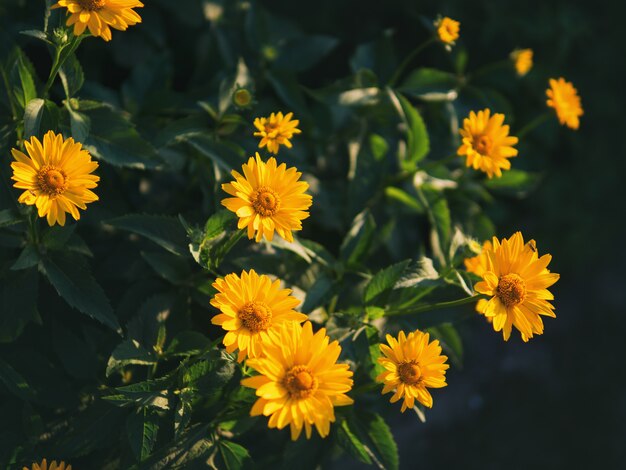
412 365
53 466
522 60
250 307
276 130
486 143
300 381
563 97
447 30
100 15
267 198
56 177
517 281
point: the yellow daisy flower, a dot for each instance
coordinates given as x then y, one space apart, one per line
517 281
268 197
56 177
276 130
447 30
478 264
300 381
412 365
250 307
53 466
100 15
563 97
486 143
522 60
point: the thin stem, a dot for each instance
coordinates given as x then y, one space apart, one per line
435 306
400 70
533 124
60 56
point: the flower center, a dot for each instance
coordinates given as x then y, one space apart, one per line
483 144
511 290
92 5
51 180
410 373
255 316
272 127
265 201
300 382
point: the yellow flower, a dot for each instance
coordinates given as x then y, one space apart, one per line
250 307
486 143
412 365
268 198
522 60
100 15
276 130
517 281
53 466
478 264
56 177
300 381
563 97
447 30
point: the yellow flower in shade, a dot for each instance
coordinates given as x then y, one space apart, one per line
100 15
53 466
522 60
563 97
486 143
517 281
412 365
56 177
268 198
447 30
300 381
250 307
276 130
478 264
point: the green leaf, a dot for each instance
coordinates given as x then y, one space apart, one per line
150 393
304 52
15 383
405 199
18 303
56 237
359 239
383 281
440 221
165 231
28 258
114 139
418 280
35 33
72 76
288 89
129 352
317 294
187 343
515 182
21 79
222 155
380 439
142 428
70 277
173 268
418 143
430 85
233 455
220 236
80 124
349 441
39 117
9 217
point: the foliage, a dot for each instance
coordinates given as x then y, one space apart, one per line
107 355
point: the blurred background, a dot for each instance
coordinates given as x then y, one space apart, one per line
557 401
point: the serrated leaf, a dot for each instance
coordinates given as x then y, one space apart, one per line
187 343
80 124
384 281
15 383
418 142
233 455
357 242
221 154
165 231
35 33
381 438
9 217
21 79
39 117
430 84
405 199
304 52
72 76
70 277
220 236
142 428
18 303
349 441
28 258
153 393
129 352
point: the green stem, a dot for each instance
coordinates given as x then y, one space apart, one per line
435 306
444 161
400 70
61 54
9 96
533 124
